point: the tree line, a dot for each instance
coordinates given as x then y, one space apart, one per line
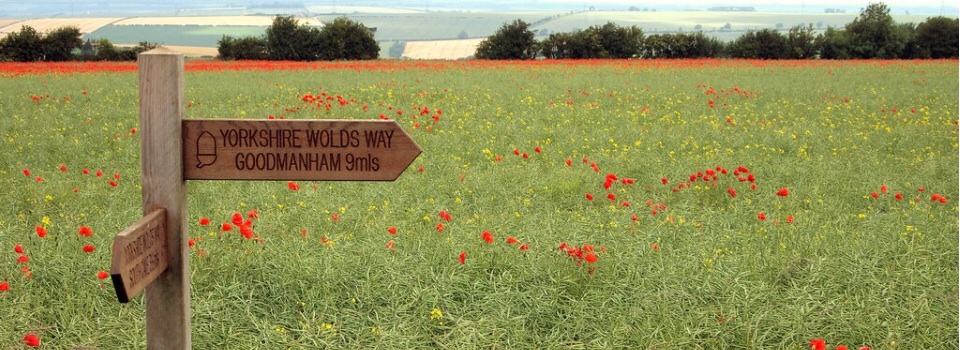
287 39
873 34
63 44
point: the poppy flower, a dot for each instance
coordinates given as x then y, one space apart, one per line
26 172
841 347
864 347
524 247
204 221
753 187
664 181
818 344
85 231
38 179
440 227
732 192
62 167
512 240
41 231
590 258
99 173
538 150
751 178
392 230
102 275
390 244
525 155
462 258
445 216
89 248
226 227
246 231
589 196
612 197
783 192
883 188
31 340
18 248
487 237
112 183
761 216
253 214
85 171
293 186
789 219
191 242
634 217
898 196
874 195
628 181
516 152
237 219
23 259
655 246
568 162
4 286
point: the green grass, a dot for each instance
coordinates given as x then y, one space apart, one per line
850 269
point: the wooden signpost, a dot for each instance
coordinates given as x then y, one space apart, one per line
152 254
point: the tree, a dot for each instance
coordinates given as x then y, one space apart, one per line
246 48
800 41
681 45
344 39
619 42
23 46
833 44
287 39
58 45
764 44
872 34
937 38
512 41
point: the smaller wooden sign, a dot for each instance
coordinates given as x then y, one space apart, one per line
139 255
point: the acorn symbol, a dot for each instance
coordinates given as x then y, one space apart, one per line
206 149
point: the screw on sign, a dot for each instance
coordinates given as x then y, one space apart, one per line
151 254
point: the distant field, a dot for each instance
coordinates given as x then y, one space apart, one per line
209 21
186 35
86 25
440 49
436 26
358 9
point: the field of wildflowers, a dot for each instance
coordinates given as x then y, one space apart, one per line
600 204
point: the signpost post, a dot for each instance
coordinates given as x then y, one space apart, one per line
153 253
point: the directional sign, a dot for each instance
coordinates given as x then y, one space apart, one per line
225 149
139 255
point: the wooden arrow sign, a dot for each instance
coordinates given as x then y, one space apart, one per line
139 255
338 150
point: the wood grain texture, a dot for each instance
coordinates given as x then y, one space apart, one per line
139 255
161 110
330 150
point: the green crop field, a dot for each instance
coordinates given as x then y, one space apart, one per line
184 35
854 251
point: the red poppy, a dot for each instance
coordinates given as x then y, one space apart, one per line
732 192
761 216
116 176
525 155
783 192
246 231
898 196
23 259
538 150
38 179
818 344
864 347
440 227
253 214
751 178
883 188
589 196
612 197
390 244
62 167
512 240
524 247
634 217
191 242
663 180
236 218
226 227
462 257
99 173
590 258
655 246
85 231
4 286
89 248
789 219
487 237
18 248
26 172
204 221
445 216
85 171
628 181
293 186
41 231
102 275
392 230
874 195
753 187
112 183
516 152
31 340
568 162
841 347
